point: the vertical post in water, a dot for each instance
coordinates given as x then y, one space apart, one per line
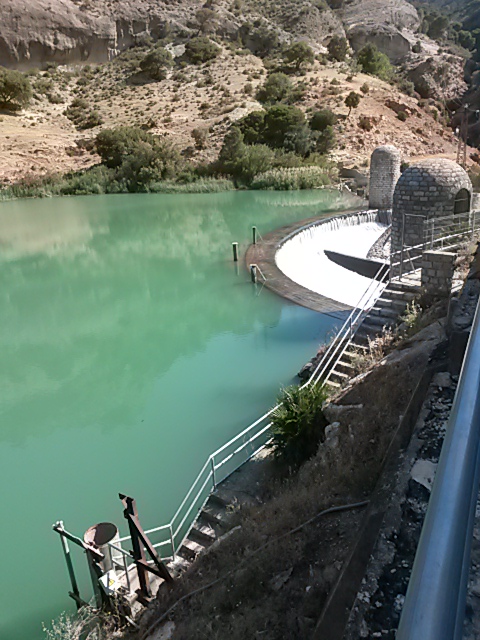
235 251
68 559
253 273
254 235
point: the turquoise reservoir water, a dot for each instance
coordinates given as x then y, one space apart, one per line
132 347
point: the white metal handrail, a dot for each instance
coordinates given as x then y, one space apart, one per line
197 495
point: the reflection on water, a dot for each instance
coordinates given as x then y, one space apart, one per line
131 348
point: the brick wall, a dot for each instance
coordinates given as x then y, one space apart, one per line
437 272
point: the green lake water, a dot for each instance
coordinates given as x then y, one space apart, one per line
131 347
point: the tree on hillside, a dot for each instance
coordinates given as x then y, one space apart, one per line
338 48
206 19
138 157
279 120
438 27
15 90
277 88
352 101
374 62
322 119
201 49
298 54
156 63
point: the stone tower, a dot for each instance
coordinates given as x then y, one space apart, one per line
433 188
384 173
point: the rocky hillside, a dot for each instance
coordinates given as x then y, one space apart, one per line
34 33
90 50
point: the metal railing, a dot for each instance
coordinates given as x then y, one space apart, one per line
168 538
434 607
448 231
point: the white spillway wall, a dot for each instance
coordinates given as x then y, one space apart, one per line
302 258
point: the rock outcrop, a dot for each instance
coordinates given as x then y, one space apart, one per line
36 32
388 24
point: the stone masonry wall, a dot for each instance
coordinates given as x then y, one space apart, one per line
425 190
384 174
437 272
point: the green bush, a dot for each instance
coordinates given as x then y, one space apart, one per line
352 101
298 425
365 123
252 127
291 178
277 88
156 63
138 157
15 90
81 115
299 54
374 62
202 185
201 49
279 120
324 141
322 119
338 48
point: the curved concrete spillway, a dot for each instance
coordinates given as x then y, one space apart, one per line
302 257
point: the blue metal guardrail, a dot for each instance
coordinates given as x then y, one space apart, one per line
434 607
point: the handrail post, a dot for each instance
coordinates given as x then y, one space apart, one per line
172 540
71 572
212 460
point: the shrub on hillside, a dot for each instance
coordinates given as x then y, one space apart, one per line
277 88
375 62
15 90
82 116
299 54
156 63
279 120
298 424
252 126
322 119
352 101
201 49
138 157
291 178
338 48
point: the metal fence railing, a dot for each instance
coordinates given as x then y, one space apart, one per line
434 607
168 538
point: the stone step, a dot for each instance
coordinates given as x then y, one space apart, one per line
212 515
338 376
178 566
349 353
344 367
384 312
190 550
376 321
203 534
395 285
390 294
334 385
395 305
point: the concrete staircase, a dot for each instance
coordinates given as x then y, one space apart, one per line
384 314
211 524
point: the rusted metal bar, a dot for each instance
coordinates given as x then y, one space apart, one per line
134 524
78 541
138 551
